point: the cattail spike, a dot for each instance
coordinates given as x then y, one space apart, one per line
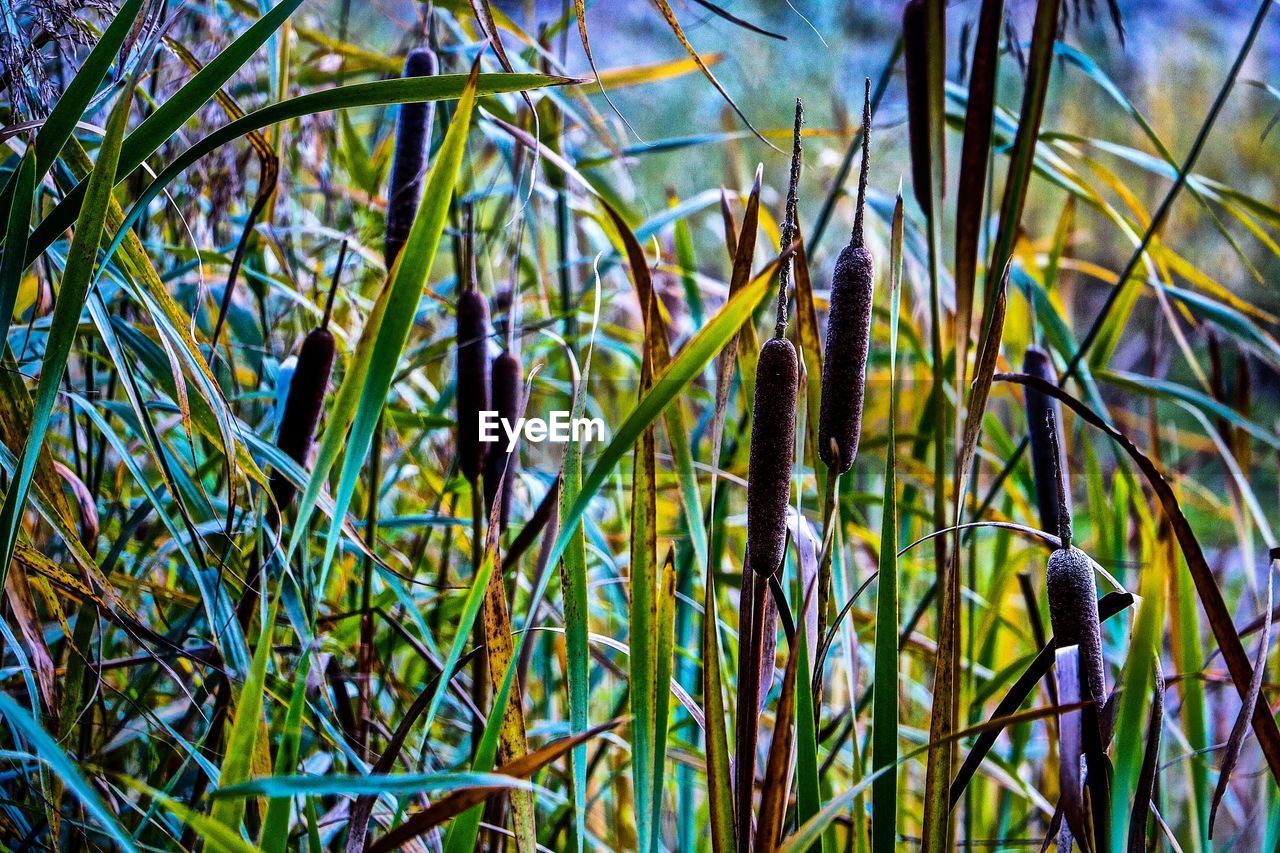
865 172
408 164
848 342
788 230
773 438
472 376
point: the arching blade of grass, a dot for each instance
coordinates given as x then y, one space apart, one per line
378 93
811 831
76 278
1108 606
217 837
478 793
389 335
667 13
47 749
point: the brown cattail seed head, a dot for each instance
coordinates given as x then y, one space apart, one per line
1048 464
472 389
500 465
915 47
303 406
413 135
773 439
844 365
1073 612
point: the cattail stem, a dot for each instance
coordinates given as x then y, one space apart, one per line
333 284
788 230
864 172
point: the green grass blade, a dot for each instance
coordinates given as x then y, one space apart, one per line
719 786
275 826
1135 699
465 829
573 585
408 278
884 714
665 623
76 278
237 762
18 217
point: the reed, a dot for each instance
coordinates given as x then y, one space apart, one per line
770 462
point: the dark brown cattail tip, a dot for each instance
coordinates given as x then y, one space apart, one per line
408 162
302 407
915 48
501 465
864 173
472 386
844 363
1073 612
1048 459
773 438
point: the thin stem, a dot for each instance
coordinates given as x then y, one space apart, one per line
789 223
857 240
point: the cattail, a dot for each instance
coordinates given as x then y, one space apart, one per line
915 51
305 400
1073 595
844 365
501 464
413 135
1043 417
1073 612
773 419
472 388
